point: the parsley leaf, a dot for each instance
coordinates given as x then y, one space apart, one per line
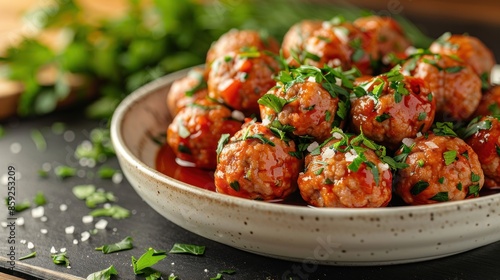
148 259
440 197
104 274
60 259
449 157
223 140
114 211
272 101
28 256
180 248
419 187
382 117
125 244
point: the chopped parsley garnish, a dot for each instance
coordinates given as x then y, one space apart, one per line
441 180
92 196
485 81
494 109
449 157
274 102
422 116
358 53
474 190
475 177
28 256
419 187
497 148
106 172
474 126
421 162
220 274
180 248
223 140
430 96
63 171
146 260
104 274
466 155
459 186
114 211
60 259
21 206
440 196
39 199
125 244
39 140
454 69
235 185
319 171
382 117
202 84
258 136
184 149
444 129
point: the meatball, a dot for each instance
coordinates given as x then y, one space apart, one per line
308 108
469 49
295 37
490 102
455 86
256 164
345 175
391 107
195 130
387 31
340 44
187 90
485 141
240 79
440 168
237 40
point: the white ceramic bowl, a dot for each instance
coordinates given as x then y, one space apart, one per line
325 236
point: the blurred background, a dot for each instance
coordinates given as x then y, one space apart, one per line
55 53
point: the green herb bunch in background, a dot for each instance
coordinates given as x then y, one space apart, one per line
117 55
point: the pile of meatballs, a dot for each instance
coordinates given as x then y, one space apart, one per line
349 114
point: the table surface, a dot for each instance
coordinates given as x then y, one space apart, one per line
149 229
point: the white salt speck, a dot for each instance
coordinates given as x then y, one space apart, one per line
83 162
69 230
53 250
69 136
5 179
4 224
91 163
31 245
133 211
20 221
37 212
46 167
80 173
62 250
43 218
87 219
117 178
172 264
408 141
85 236
15 148
115 229
106 206
206 270
419 134
238 115
44 231
75 241
312 146
101 224
63 207
23 241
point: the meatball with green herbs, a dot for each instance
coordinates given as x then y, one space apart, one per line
441 167
309 101
194 132
257 164
187 90
390 107
347 172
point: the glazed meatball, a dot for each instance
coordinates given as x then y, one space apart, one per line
295 37
391 107
196 129
237 40
187 90
333 179
387 31
469 49
340 44
308 107
455 86
240 79
490 102
256 164
486 143
440 168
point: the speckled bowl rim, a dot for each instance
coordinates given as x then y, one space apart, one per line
122 149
